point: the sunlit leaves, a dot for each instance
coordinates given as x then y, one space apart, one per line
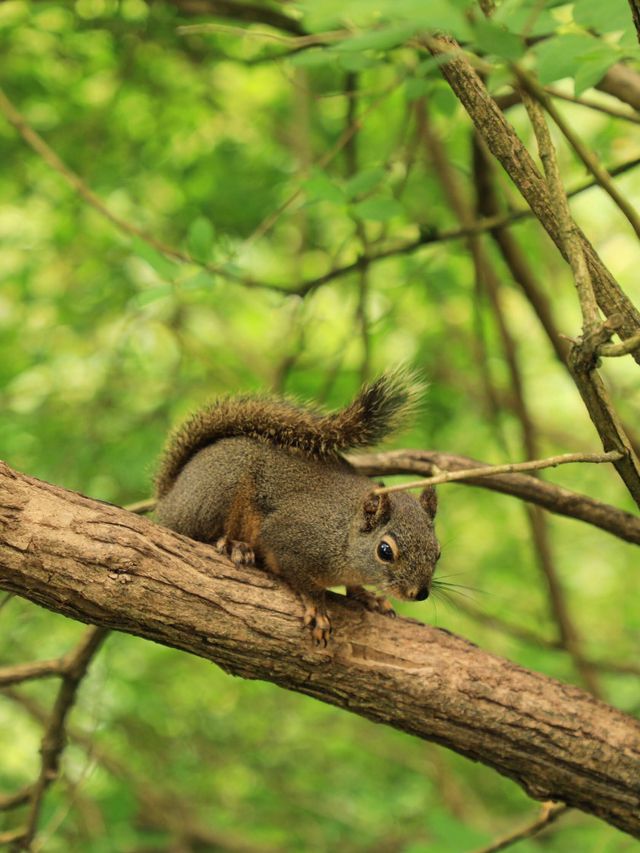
581 56
201 238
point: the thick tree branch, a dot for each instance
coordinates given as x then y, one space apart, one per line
100 564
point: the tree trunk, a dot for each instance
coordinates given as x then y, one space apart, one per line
100 564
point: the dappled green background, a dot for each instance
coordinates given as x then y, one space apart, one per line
105 343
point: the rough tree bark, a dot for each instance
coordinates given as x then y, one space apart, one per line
100 564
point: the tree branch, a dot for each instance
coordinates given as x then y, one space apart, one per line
506 146
554 498
100 564
507 468
548 815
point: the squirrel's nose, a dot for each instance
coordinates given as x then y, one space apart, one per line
422 593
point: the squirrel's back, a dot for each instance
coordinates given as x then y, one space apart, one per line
377 410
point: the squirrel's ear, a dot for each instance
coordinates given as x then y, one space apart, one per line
429 501
376 511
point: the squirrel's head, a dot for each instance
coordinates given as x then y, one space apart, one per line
394 545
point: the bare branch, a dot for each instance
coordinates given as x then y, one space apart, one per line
591 162
504 143
74 668
624 115
568 232
247 12
623 348
508 468
548 814
553 498
29 671
19 798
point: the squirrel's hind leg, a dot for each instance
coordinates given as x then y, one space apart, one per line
374 603
315 616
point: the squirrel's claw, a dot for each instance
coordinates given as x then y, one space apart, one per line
374 603
315 616
238 552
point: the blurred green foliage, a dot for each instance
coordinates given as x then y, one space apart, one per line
197 138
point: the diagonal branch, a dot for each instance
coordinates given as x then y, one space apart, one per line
74 668
99 563
506 146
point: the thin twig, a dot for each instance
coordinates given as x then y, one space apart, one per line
582 356
162 808
588 158
625 115
37 143
11 836
434 236
505 144
568 232
533 638
623 348
75 667
19 798
270 220
509 468
549 813
489 283
141 507
526 487
294 42
28 671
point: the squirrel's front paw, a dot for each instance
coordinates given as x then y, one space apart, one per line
374 603
239 552
320 627
315 617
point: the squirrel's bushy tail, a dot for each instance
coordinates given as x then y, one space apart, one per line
378 410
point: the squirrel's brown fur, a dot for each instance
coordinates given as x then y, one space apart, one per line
378 410
264 480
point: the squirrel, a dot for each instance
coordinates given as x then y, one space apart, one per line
264 480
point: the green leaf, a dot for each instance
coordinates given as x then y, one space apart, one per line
152 294
158 262
319 187
562 56
364 182
313 58
527 16
355 61
603 17
592 70
202 280
378 209
417 87
443 100
444 15
330 14
498 41
200 238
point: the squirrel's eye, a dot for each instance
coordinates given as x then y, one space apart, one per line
385 552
